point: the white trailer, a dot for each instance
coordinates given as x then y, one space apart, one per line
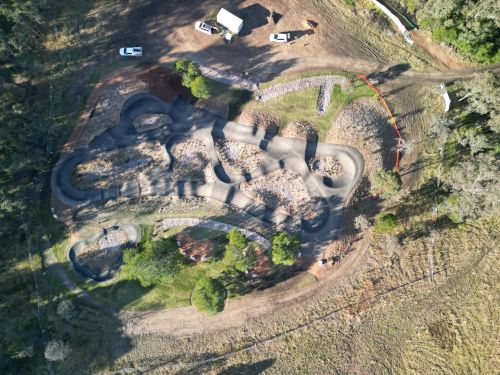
229 21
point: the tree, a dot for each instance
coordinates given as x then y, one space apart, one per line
284 248
65 309
193 79
473 188
200 87
385 183
385 222
153 262
239 253
209 295
57 350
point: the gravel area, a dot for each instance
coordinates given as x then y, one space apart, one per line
239 157
115 167
327 166
325 83
149 121
282 189
360 125
191 162
300 130
215 225
100 255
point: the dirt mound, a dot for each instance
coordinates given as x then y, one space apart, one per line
363 124
238 157
327 166
282 189
115 167
149 121
103 253
300 130
191 162
260 120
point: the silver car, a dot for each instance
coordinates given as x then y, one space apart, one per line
131 51
205 28
279 38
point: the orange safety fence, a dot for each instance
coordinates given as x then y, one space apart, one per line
393 120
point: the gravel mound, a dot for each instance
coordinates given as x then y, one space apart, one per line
282 189
191 162
259 119
327 166
115 167
360 125
239 157
149 121
300 130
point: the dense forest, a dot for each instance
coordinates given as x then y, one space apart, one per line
472 27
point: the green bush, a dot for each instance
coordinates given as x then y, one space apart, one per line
385 223
239 254
385 183
192 78
209 295
284 248
153 262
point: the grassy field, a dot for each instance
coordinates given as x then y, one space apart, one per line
301 105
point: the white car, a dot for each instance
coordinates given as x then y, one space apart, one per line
279 38
205 28
131 51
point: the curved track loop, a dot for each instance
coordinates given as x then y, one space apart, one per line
329 196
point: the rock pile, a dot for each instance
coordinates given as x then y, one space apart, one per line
149 121
300 130
282 189
115 167
261 120
191 162
238 157
327 166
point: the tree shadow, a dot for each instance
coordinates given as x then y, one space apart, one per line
253 16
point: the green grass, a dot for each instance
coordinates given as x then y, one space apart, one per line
301 106
130 295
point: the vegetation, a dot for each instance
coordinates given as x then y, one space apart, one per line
471 176
301 105
239 254
470 26
209 295
385 222
192 78
284 248
155 262
385 183
57 350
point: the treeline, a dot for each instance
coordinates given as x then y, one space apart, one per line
472 27
469 142
24 119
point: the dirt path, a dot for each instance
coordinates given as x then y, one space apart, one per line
185 321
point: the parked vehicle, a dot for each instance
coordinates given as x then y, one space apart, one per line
131 51
279 38
205 28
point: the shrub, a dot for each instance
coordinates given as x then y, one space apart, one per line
361 223
284 248
153 262
200 87
209 295
385 223
239 254
65 309
385 183
57 350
